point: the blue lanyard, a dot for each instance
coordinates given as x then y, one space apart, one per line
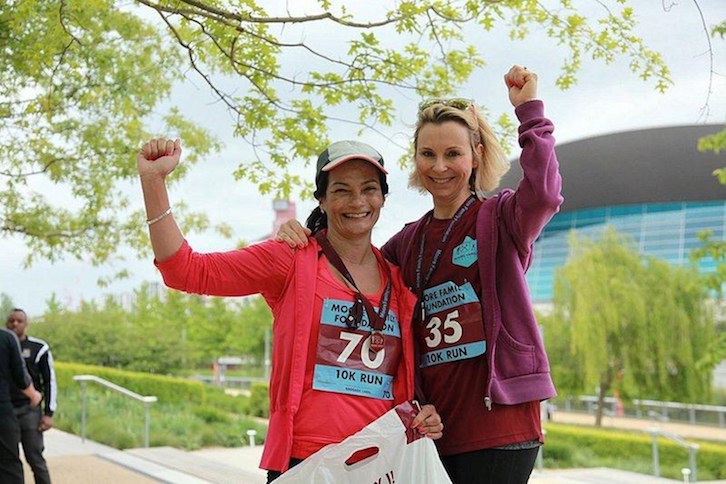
421 285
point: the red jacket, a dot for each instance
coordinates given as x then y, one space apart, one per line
287 280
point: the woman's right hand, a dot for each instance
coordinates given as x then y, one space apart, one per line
293 234
158 157
521 84
428 422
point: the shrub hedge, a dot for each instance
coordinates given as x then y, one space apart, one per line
577 446
190 414
259 405
166 389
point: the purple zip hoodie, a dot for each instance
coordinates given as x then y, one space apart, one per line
507 226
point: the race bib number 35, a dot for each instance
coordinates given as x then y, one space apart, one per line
345 362
453 329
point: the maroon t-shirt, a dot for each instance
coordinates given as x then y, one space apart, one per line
451 344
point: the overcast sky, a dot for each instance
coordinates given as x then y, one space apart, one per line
607 99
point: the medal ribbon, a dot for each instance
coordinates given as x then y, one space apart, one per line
355 315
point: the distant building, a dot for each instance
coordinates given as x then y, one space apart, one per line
284 210
127 299
124 299
652 184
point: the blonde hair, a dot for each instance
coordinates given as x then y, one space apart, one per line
492 163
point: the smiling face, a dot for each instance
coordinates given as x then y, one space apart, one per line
353 199
444 163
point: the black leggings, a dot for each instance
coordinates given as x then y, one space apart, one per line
491 466
272 475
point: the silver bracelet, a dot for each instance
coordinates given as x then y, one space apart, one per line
152 221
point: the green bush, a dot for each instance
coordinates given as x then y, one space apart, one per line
187 415
558 453
592 447
114 434
259 401
166 389
190 415
218 399
711 460
211 415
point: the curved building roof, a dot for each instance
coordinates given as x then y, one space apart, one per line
644 166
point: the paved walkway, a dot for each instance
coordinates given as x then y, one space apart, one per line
72 461
244 458
688 431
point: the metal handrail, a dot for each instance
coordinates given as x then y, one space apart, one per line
691 408
655 432
82 379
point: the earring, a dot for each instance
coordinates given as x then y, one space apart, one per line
322 211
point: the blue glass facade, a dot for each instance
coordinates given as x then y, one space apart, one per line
668 231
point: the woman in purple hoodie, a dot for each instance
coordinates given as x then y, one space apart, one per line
480 355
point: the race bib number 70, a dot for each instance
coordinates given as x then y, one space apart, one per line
345 362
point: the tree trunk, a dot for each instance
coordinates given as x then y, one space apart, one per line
605 384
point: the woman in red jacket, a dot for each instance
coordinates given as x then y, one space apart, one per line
343 348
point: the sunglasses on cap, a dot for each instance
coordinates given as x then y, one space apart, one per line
454 102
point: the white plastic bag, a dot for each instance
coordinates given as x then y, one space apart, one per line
402 456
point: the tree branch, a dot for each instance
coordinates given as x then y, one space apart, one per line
200 8
190 53
44 234
66 47
290 20
230 55
706 108
436 38
31 173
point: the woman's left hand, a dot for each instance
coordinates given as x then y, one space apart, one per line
428 422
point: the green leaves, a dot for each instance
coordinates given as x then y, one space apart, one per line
719 29
285 112
156 334
714 248
632 317
80 83
715 142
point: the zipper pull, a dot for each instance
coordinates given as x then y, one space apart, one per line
488 402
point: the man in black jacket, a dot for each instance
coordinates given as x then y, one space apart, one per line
34 421
12 375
